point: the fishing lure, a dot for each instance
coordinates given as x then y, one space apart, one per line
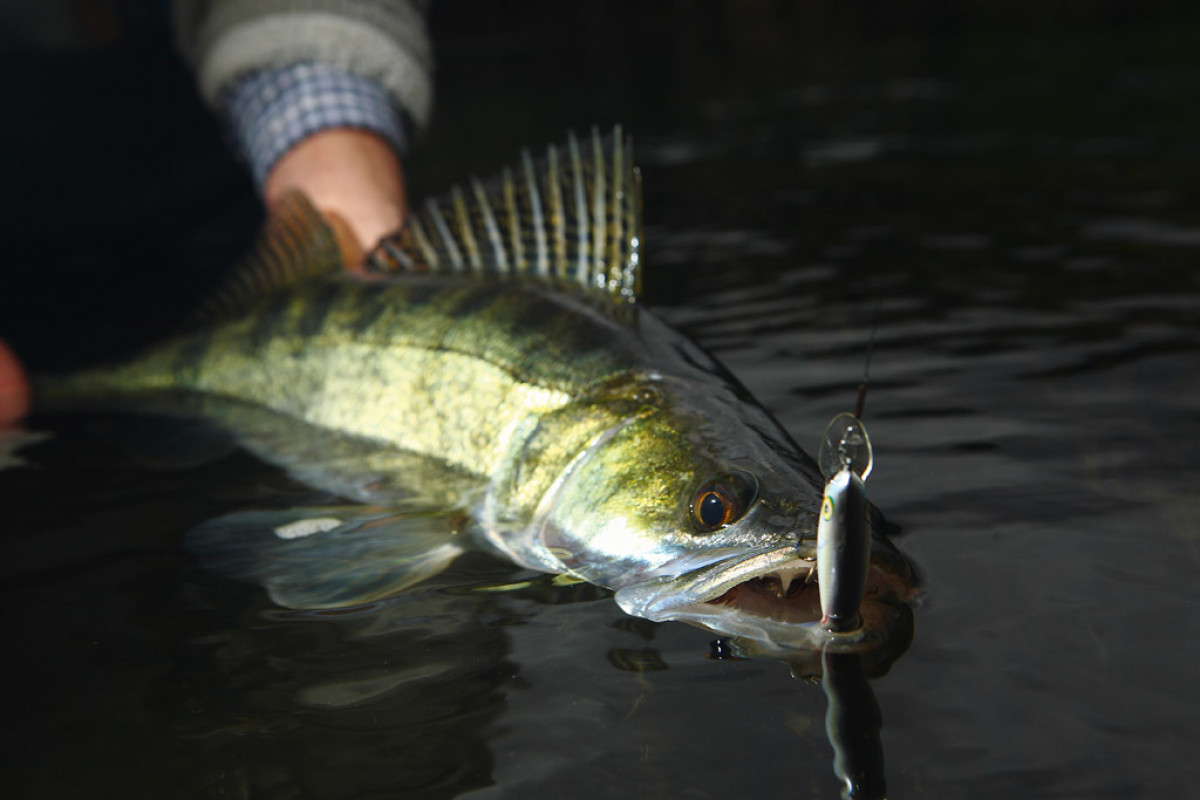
844 528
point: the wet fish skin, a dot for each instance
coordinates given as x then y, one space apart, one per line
438 365
587 435
617 510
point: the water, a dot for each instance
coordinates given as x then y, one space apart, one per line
1020 197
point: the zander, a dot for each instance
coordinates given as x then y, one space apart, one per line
493 381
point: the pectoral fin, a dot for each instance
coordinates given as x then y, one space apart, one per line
329 557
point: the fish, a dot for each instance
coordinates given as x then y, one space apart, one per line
491 381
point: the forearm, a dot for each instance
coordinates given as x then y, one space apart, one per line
319 96
384 41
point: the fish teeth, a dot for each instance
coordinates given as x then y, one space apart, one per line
788 575
782 580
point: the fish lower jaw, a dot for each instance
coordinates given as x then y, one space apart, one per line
770 597
780 611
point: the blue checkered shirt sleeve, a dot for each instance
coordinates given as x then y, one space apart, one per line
270 110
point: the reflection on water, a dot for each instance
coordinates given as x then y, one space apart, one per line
1023 203
853 722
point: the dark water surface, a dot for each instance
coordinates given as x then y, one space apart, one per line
1018 189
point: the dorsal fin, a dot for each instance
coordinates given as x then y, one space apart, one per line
296 245
573 216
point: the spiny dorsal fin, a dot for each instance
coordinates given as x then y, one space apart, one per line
296 244
574 216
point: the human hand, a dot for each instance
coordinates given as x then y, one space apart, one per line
353 178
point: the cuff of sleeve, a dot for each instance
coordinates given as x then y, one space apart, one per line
270 110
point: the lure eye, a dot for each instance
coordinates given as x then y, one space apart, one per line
722 502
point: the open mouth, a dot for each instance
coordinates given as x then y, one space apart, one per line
792 596
773 596
783 597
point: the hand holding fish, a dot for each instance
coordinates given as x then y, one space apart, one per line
355 180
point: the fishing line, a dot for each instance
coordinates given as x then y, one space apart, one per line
861 401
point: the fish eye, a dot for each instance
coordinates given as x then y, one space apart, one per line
722 502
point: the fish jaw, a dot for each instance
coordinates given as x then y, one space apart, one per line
772 597
660 598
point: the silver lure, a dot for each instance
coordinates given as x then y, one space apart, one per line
843 531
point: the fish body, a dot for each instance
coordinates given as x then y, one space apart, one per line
572 431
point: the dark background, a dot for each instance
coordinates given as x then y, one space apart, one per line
122 203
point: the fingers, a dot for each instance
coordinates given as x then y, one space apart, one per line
353 177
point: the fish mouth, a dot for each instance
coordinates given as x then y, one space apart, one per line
790 594
773 597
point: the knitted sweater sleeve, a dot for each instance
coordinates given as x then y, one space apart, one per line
279 70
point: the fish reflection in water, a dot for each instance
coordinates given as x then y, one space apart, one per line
429 687
494 383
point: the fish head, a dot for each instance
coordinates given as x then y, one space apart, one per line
700 508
